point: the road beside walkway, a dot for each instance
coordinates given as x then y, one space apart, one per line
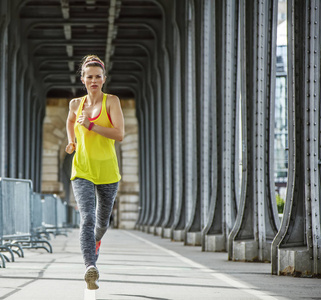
135 265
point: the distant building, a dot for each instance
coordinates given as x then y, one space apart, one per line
281 110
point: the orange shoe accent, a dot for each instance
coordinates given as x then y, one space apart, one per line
97 247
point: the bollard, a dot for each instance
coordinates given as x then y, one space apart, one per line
90 294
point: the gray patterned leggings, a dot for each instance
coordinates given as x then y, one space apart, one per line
94 221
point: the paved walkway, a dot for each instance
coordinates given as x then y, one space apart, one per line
135 265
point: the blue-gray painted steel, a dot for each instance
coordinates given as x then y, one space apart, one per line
13 87
190 129
3 96
257 222
169 102
178 229
223 204
296 248
177 208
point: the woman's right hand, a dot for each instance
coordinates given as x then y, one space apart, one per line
70 148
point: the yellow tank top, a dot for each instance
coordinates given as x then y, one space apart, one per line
95 158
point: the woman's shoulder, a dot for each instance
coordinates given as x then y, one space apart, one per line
112 101
112 98
74 103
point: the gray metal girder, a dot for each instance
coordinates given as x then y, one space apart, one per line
257 220
220 189
296 248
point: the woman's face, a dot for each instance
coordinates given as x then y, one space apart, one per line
93 78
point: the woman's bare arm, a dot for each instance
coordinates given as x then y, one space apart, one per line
71 119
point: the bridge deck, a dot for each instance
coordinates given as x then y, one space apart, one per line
135 265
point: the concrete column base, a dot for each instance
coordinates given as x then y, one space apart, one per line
140 227
178 235
158 231
151 229
295 262
194 238
215 243
167 233
145 228
248 250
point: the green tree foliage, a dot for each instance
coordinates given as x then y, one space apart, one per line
280 203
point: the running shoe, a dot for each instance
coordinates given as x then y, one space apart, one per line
91 278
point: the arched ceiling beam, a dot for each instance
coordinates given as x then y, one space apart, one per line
65 24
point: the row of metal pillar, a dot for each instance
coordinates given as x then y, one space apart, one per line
208 88
22 105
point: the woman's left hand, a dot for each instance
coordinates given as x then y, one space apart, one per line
83 120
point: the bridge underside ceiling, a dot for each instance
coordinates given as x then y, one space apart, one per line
59 33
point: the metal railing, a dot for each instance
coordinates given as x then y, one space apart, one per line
27 219
54 215
15 212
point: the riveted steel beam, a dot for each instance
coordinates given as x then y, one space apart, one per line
208 110
219 192
12 84
168 112
192 230
180 55
150 218
177 142
296 248
257 221
165 205
54 43
3 96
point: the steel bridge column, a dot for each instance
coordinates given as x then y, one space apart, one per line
177 125
141 161
208 83
223 205
167 150
159 119
21 122
147 158
144 146
143 158
13 87
192 228
296 249
170 131
33 134
139 116
4 89
180 43
200 204
152 209
257 221
165 205
155 137
159 147
27 132
151 138
147 111
37 147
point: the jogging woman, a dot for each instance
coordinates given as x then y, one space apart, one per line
93 124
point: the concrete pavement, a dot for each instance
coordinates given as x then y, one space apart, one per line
135 265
